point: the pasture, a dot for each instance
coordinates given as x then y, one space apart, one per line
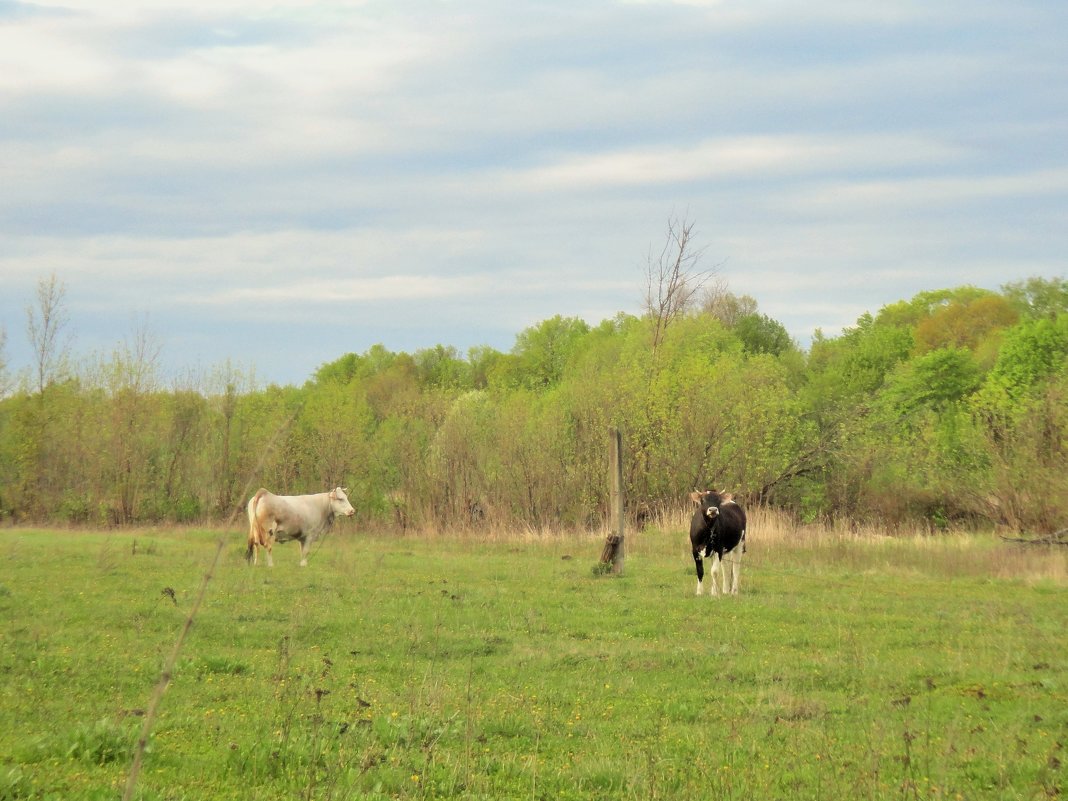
851 666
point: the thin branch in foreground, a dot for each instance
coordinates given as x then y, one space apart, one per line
165 680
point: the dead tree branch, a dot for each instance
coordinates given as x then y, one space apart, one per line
672 278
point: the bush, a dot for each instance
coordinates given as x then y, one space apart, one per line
76 508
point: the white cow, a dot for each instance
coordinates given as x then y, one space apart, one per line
281 518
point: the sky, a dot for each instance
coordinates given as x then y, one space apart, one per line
274 185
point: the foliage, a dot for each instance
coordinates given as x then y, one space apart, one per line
1039 297
1031 353
963 324
760 334
932 381
945 408
543 351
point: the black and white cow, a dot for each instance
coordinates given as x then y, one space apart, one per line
717 527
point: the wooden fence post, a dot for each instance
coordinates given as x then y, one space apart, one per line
614 550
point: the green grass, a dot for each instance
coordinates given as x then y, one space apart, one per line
457 668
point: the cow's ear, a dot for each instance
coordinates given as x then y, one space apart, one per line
695 497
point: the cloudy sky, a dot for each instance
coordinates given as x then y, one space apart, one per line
278 184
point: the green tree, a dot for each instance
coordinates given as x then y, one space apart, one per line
846 372
460 462
1032 351
909 313
760 334
1039 297
932 381
394 389
337 424
1026 437
483 361
964 323
442 368
181 489
129 380
543 351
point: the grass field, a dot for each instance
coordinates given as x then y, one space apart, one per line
851 667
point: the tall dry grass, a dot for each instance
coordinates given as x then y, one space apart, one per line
777 539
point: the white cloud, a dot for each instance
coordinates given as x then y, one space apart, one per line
46 55
750 157
301 297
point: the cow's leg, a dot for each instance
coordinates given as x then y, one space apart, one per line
717 567
305 546
736 569
269 546
699 562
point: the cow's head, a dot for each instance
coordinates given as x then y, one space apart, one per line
697 496
339 501
710 501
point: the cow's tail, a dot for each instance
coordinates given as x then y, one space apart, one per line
256 534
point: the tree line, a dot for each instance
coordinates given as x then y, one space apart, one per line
948 408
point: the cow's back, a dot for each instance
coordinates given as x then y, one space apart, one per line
732 515
729 527
280 514
298 515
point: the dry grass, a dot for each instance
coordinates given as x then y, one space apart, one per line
773 536
778 541
776 538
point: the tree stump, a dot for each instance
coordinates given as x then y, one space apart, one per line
614 552
612 547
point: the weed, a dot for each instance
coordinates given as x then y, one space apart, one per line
220 666
15 785
99 743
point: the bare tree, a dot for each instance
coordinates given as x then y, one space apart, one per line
672 277
725 306
229 382
44 327
136 361
129 379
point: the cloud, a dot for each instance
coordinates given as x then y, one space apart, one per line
314 293
426 172
753 157
920 193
